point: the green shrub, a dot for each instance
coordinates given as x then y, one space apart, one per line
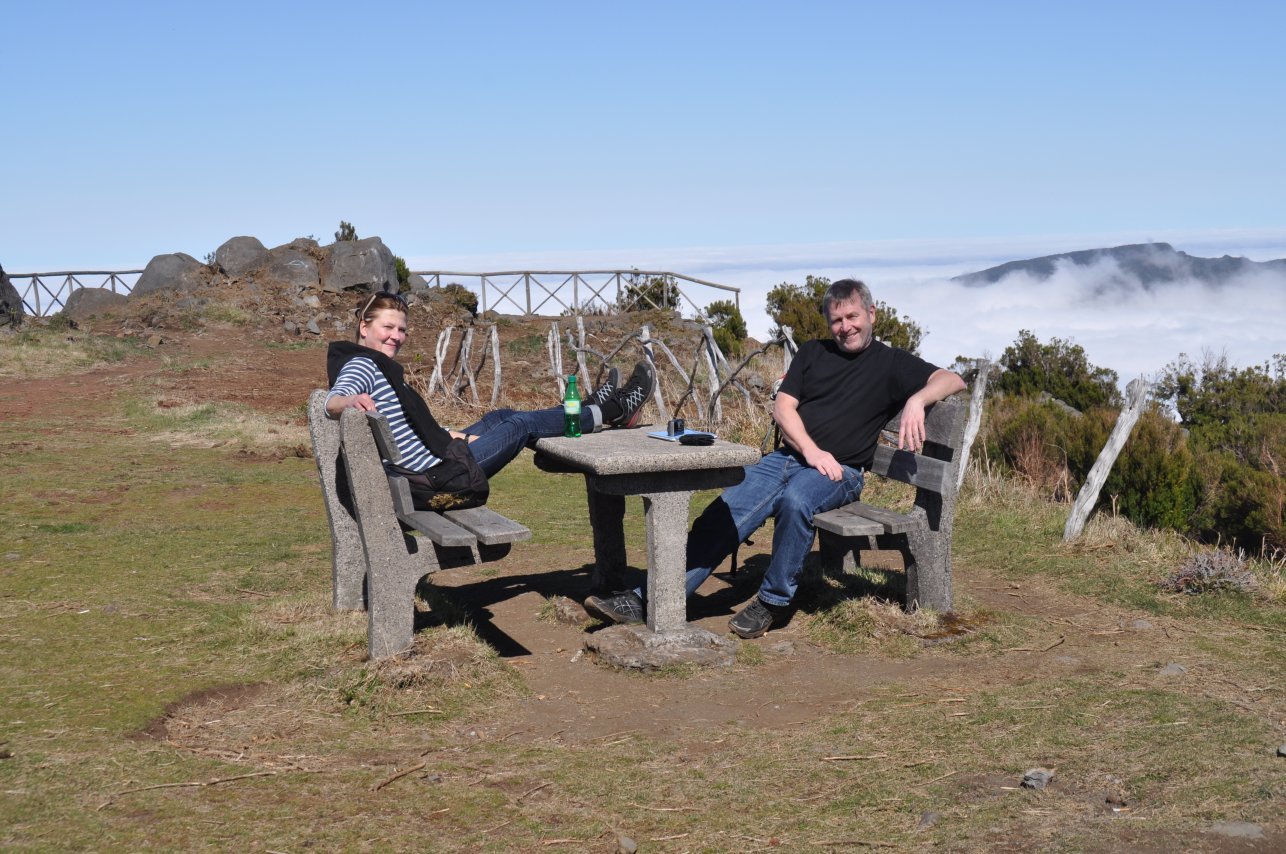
403 274
1059 369
648 292
1236 419
1155 477
462 296
728 325
799 307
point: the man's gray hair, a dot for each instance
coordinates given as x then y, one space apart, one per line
843 291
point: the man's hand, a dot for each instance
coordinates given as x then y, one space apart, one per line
825 463
786 413
940 385
911 432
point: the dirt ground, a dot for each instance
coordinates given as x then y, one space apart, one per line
573 700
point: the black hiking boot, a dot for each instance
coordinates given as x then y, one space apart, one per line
623 608
757 618
634 394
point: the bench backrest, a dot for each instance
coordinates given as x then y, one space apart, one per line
349 559
935 468
933 471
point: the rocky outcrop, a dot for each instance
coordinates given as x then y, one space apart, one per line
86 302
289 265
174 272
11 310
240 255
365 265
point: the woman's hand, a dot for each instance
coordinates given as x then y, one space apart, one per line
456 434
340 402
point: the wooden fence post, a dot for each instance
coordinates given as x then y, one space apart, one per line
555 347
1136 397
976 401
716 380
439 356
495 370
656 390
466 370
587 387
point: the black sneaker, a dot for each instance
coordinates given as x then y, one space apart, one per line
607 389
756 618
624 607
634 394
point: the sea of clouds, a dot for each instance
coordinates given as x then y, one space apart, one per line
1122 325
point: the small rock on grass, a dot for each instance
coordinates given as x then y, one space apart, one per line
1281 750
1038 778
625 845
570 613
1173 669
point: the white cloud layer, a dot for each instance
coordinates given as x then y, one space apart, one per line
1128 328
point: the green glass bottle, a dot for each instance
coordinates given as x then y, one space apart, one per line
571 409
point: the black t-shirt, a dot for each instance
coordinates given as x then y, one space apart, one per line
845 398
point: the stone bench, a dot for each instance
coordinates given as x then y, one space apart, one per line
923 534
377 560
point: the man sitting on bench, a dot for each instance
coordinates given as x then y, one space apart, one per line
832 403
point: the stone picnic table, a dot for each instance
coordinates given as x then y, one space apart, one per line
617 463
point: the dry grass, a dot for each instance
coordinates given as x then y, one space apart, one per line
45 349
169 603
203 425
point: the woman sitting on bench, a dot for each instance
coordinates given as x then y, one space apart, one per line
448 469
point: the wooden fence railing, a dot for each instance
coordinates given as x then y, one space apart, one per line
528 292
552 292
47 293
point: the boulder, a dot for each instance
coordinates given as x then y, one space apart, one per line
306 245
240 255
85 302
289 266
359 264
11 310
175 272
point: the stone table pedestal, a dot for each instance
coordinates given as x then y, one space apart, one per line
617 463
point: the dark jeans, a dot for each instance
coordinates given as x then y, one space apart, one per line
502 433
780 485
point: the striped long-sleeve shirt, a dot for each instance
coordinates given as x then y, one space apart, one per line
360 376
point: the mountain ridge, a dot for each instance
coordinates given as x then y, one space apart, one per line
1151 264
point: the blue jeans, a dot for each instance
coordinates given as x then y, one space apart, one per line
781 485
503 433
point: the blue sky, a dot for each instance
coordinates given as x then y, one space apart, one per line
640 134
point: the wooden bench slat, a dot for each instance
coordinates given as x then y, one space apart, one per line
437 528
488 526
915 469
846 524
893 521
